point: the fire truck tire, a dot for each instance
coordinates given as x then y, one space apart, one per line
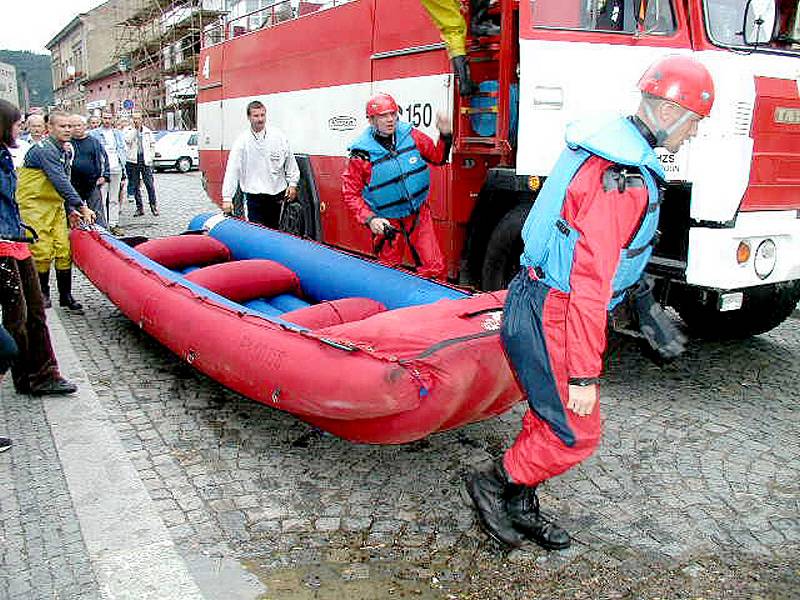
763 308
501 261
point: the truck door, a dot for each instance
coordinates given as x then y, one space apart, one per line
580 59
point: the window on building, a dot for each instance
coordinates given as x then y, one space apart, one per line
77 57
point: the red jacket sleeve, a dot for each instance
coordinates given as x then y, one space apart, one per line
435 154
606 221
355 177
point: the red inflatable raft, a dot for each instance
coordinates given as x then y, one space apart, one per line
368 353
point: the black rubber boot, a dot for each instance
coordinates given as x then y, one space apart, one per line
466 87
44 283
65 299
57 386
480 24
523 508
488 490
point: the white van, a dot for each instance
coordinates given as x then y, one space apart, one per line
176 150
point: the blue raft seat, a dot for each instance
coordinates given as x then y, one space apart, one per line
262 285
272 289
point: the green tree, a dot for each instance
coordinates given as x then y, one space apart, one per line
36 69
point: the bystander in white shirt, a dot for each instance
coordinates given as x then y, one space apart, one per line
260 163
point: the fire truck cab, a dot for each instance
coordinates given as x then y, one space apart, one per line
728 257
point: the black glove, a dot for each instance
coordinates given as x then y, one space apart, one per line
654 323
390 233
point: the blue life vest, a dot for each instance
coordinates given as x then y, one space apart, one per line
550 240
400 178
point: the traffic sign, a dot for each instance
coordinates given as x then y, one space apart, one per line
127 104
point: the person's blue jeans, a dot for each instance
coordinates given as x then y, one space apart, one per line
138 172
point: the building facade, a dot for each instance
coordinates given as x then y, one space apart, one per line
160 45
85 47
106 90
128 55
8 84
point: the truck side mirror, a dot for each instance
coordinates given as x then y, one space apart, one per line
758 22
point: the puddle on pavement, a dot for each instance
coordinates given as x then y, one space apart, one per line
354 581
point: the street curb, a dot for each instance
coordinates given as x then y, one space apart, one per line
130 549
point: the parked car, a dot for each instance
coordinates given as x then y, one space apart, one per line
176 150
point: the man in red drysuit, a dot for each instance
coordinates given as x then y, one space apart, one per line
587 241
386 185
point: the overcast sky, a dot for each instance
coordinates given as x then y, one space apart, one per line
30 24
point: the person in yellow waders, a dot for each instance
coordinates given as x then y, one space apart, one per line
446 15
44 192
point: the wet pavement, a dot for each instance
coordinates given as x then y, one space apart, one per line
158 483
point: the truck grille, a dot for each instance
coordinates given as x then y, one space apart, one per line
742 118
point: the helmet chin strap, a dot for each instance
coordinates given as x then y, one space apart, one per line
662 134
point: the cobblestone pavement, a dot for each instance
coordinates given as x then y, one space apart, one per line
693 493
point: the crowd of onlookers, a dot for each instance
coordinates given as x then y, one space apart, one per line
112 157
57 171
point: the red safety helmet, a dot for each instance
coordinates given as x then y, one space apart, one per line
381 104
682 80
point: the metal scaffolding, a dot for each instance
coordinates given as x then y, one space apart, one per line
157 49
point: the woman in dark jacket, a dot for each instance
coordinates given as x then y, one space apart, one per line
35 370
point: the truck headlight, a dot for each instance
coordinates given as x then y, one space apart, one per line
765 258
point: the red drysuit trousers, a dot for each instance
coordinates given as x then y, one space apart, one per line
423 238
553 438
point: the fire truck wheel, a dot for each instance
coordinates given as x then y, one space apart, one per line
501 261
763 308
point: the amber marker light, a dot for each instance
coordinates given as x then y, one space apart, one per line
743 252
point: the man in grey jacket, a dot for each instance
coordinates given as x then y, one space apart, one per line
140 144
114 145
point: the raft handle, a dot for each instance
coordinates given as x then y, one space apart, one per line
482 311
339 345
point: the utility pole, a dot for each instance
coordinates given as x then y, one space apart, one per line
25 96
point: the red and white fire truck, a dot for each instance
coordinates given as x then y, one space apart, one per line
728 259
